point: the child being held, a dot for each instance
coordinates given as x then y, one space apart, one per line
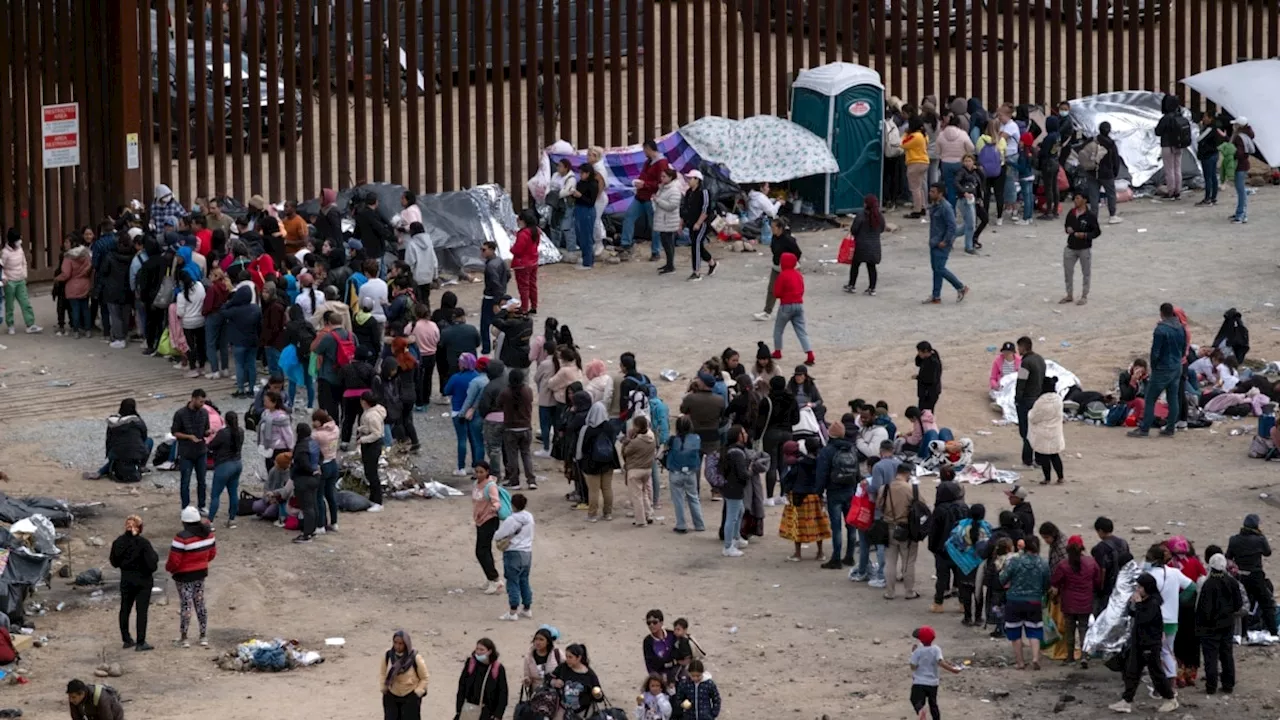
926 659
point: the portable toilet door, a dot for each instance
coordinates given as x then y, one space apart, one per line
844 104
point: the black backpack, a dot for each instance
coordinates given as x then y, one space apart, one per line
602 452
1182 131
919 517
844 468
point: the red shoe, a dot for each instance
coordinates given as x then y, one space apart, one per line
777 354
808 359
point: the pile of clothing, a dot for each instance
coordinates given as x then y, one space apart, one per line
268 656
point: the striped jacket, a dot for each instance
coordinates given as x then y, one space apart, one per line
191 552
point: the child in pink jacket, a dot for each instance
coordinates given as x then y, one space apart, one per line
1006 363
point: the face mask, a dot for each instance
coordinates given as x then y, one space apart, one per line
482 657
1064 113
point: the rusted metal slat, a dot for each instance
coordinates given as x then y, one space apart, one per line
435 127
147 100
912 39
163 89
1119 60
652 63
761 11
813 34
780 72
1042 56
254 43
1010 72
8 189
581 73
750 70
20 198
480 26
622 120
993 40
347 73
681 89
564 71
397 89
53 210
361 50
927 41
1166 79
796 40
554 86
961 80
94 155
1135 39
38 238
514 170
220 101
1058 28
599 56
289 118
182 120
1182 42
1227 32
203 106
71 30
1258 15
499 120
716 10
1273 28
864 36
637 25
238 70
1087 54
271 48
831 40
533 71
66 72
379 91
446 33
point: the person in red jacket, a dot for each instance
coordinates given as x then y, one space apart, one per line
1076 580
524 260
192 550
789 290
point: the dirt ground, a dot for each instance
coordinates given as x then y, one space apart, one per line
783 638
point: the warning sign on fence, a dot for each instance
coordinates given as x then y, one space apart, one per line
61 132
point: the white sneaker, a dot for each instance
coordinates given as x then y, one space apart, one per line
509 616
12 331
526 613
491 588
213 375
762 316
335 527
999 222
461 472
374 508
166 465
1115 220
542 454
320 530
33 329
742 542
1169 706
731 552
118 344
876 583
1120 707
768 502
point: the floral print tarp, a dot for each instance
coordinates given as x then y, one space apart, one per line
763 148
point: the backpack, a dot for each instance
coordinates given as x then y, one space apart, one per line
1181 131
844 468
602 452
504 500
713 476
346 351
919 517
1091 155
892 140
989 159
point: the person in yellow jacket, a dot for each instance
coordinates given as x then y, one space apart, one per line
403 679
916 146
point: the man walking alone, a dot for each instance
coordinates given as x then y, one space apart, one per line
1082 227
942 233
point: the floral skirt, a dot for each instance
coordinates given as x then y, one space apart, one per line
805 521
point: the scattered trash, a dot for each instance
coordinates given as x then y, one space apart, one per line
733 630
268 656
670 375
4 347
1268 304
1135 492
96 541
1142 230
59 607
983 432
991 348
1065 344
335 641
1175 522
92 576
61 383
1141 530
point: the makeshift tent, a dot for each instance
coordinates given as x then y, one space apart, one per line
764 148
1004 395
1242 89
622 165
1133 116
842 103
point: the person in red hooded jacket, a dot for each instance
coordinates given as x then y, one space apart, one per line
524 260
789 290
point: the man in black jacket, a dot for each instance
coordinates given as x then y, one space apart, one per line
517 331
190 425
1174 131
1217 603
949 509
1082 228
1022 511
137 561
1211 136
496 277
1027 389
1247 548
375 233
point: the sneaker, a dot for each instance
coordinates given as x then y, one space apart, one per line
279 523
1168 433
710 271
331 528
59 333
491 588
857 577
876 583
374 508
695 277
608 518
127 644
204 641
461 472
302 539
118 344
1120 707
592 518
320 531
542 453
213 375
1138 432
34 329
1181 425
143 647
762 316
166 465
184 643
833 564
15 332
526 613
1169 706
743 542
936 608
509 616
999 222
231 525
731 552
1115 220
193 374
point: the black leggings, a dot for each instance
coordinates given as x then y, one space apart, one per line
442 367
351 410
484 547
980 214
1047 461
669 248
698 250
195 347
871 274
426 367
926 694
405 426
157 323
995 189
773 440
369 454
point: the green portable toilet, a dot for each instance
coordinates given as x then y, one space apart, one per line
842 103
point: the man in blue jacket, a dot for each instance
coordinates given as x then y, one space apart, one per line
838 475
1168 349
942 233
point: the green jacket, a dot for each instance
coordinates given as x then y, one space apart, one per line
1227 162
1027 576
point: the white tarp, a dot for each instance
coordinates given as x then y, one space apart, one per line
764 148
1133 116
1004 396
1249 89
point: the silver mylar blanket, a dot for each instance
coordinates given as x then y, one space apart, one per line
1110 630
1133 115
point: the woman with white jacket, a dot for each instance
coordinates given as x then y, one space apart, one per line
595 156
666 217
1044 429
190 306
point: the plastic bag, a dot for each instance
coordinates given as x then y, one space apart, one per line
1050 631
165 348
862 512
845 256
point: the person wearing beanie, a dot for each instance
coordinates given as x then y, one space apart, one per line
1247 548
190 553
1145 635
1218 601
789 290
926 660
764 369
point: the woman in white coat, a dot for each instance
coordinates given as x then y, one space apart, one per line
666 216
595 156
190 304
1044 430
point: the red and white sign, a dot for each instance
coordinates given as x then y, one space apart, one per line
61 133
859 108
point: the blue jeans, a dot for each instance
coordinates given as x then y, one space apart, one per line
949 170
1242 196
938 262
838 501
79 314
185 466
328 494
140 315
273 362
968 214
515 568
684 490
656 486
929 436
584 226
732 522
1170 382
1210 167
634 212
310 383
1028 198
468 431
226 475
214 343
106 466
246 367
547 417
794 314
864 558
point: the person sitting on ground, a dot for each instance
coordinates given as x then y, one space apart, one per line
1007 362
128 446
93 702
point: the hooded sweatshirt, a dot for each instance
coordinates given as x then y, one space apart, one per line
789 287
370 428
949 509
13 263
127 438
76 273
420 253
